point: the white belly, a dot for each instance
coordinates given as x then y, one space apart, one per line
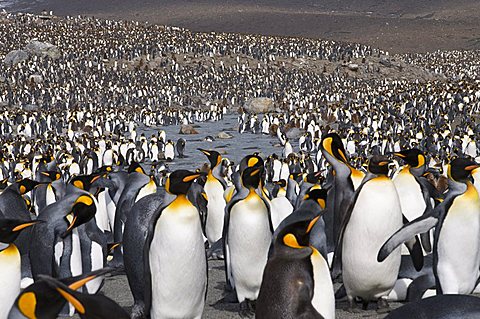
10 276
410 195
178 265
249 238
374 219
101 217
459 247
216 210
97 258
323 295
280 208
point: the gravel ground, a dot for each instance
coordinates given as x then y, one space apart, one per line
117 289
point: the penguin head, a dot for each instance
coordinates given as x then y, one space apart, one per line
332 144
84 181
318 195
53 175
281 183
83 210
296 236
47 296
379 165
254 160
26 185
214 157
314 178
413 157
135 167
252 176
11 228
460 169
178 183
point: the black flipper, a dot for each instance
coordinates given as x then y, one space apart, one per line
420 225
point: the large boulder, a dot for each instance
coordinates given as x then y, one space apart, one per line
43 49
187 130
259 105
15 56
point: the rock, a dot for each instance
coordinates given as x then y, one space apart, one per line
43 49
187 130
259 105
294 133
224 135
36 78
353 67
386 62
15 56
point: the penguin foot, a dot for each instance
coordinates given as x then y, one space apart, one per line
247 309
138 311
352 306
383 306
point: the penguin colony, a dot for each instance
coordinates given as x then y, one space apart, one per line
365 166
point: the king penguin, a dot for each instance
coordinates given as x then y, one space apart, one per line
174 256
374 215
10 262
214 188
456 249
247 236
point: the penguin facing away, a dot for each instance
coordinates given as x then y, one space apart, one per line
288 281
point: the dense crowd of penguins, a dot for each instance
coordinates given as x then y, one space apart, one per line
379 163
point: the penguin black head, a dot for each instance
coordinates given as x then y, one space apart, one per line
413 157
104 169
53 175
318 195
254 160
83 210
84 181
25 185
47 296
460 169
281 183
178 183
10 228
332 144
214 157
378 165
297 236
252 176
135 167
314 178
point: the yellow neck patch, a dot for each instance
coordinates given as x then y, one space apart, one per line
27 304
84 199
78 184
179 202
291 241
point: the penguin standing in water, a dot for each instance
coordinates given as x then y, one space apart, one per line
247 237
169 151
174 255
214 188
180 146
456 249
374 215
10 262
